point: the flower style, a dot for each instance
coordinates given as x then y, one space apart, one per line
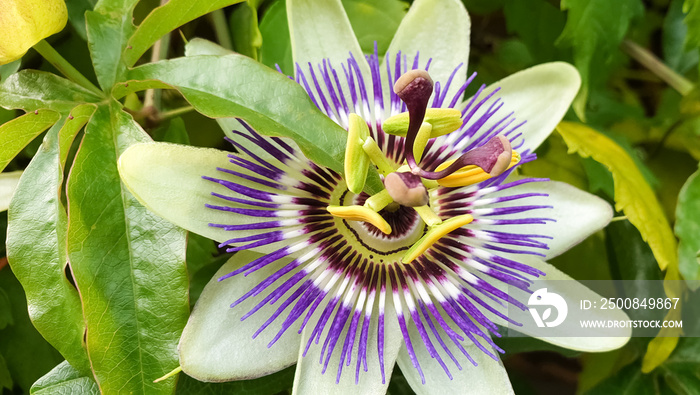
26 22
421 271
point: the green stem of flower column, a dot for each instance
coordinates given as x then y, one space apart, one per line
656 66
67 69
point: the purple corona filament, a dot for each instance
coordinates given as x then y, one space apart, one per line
338 279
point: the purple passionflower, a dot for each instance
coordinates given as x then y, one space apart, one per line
344 283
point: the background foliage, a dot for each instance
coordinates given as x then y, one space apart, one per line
632 137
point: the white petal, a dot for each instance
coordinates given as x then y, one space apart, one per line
437 29
167 179
578 214
217 346
308 379
488 377
321 30
540 95
8 184
569 333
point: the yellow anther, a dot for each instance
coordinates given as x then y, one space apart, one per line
361 213
471 174
356 160
435 234
443 121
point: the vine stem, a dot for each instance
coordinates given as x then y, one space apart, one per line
656 66
159 51
59 62
175 112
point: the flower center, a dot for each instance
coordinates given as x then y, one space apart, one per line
393 213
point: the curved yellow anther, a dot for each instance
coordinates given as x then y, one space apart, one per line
435 234
356 159
361 213
471 174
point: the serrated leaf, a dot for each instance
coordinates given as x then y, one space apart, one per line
109 27
661 347
688 228
37 239
271 103
127 262
633 195
17 133
65 379
32 90
166 18
595 27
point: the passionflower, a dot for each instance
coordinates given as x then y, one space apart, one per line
347 281
26 22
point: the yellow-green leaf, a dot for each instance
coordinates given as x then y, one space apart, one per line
633 195
17 133
661 347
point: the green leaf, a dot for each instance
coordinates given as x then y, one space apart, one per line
76 14
688 229
166 18
692 19
127 262
32 90
275 383
109 28
8 69
675 33
633 195
27 354
682 369
5 310
538 23
172 132
5 377
270 102
17 133
36 244
629 380
595 27
65 379
375 21
276 46
244 29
